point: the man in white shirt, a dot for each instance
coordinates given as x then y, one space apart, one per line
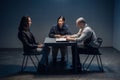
86 37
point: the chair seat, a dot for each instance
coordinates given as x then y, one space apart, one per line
32 56
32 53
91 54
90 51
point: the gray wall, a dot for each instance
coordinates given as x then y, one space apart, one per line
98 13
116 35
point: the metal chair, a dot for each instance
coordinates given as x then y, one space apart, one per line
95 53
30 56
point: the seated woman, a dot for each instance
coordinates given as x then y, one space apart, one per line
29 42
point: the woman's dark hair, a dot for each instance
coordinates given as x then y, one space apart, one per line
23 23
61 17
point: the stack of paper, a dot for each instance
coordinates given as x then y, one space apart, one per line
60 39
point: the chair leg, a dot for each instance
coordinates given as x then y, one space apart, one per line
26 62
83 66
98 62
23 64
33 62
101 63
90 62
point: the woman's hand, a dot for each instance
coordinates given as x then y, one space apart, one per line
40 46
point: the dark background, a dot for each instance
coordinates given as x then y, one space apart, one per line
101 15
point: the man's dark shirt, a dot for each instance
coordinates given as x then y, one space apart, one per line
61 31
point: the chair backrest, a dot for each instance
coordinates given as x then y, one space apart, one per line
99 40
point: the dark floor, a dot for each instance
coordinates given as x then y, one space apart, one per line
11 60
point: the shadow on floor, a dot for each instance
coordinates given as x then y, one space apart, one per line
58 69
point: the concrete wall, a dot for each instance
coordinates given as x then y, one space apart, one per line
116 34
44 13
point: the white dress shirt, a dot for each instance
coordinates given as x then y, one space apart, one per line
86 33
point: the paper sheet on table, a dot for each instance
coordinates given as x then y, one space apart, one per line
61 39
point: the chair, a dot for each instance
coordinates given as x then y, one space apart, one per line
94 53
32 56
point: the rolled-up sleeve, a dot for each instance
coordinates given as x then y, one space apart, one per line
85 34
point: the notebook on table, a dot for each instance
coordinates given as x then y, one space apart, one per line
60 39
